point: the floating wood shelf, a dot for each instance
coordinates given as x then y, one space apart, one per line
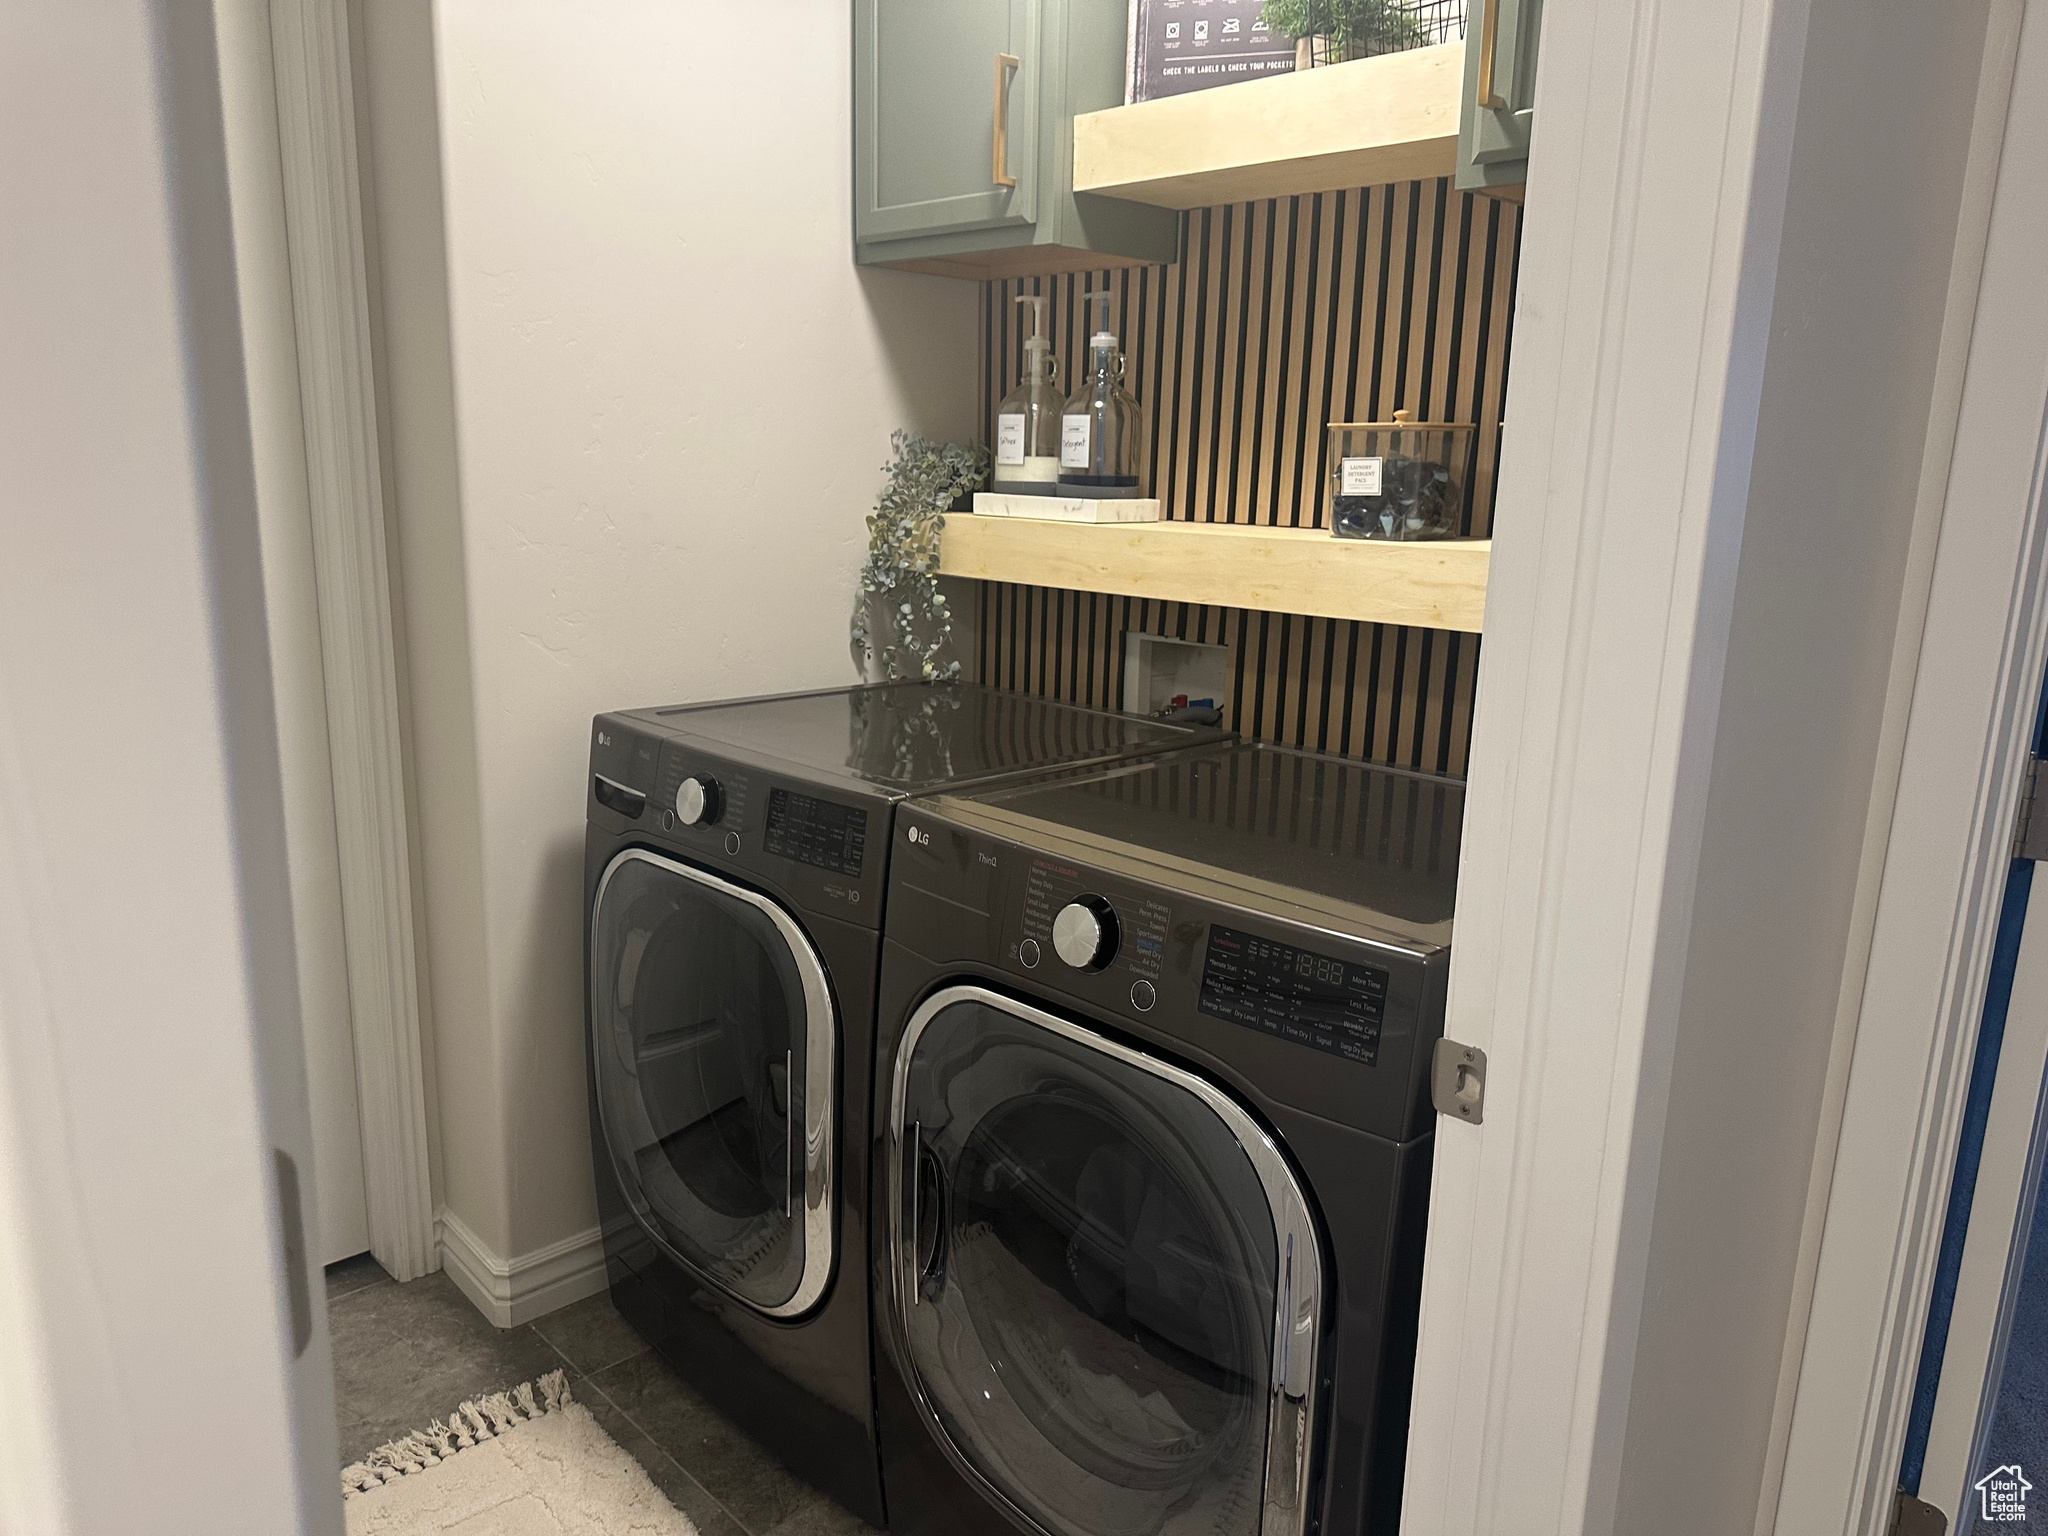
1285 570
1361 124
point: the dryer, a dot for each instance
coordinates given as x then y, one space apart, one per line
736 861
1153 1143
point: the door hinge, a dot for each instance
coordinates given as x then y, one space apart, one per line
1457 1081
1915 1517
2030 827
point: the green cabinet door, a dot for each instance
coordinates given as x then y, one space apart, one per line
1500 90
931 80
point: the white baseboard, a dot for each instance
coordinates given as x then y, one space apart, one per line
517 1290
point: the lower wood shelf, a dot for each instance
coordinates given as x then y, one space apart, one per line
1285 570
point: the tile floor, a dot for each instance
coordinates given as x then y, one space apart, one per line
405 1355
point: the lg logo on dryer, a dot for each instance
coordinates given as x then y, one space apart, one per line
921 838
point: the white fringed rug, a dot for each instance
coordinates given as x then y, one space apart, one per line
528 1462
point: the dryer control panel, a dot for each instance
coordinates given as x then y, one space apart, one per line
823 848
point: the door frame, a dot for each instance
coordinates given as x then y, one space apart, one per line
355 581
248 73
1642 333
1658 193
1965 705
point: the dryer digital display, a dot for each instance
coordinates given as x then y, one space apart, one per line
1314 1000
820 832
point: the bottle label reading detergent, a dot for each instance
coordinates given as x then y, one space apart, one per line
1074 442
1010 438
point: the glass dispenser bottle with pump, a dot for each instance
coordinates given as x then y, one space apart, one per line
1028 420
1102 437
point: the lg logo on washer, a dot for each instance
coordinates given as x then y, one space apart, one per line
920 838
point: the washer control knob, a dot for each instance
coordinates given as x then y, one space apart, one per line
1084 934
698 802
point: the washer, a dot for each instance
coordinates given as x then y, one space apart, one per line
1153 1145
735 865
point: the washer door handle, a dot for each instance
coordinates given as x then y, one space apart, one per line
906 1257
927 1260
1294 1364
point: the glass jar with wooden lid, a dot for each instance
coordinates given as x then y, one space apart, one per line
1398 479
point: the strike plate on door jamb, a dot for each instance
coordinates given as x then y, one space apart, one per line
1457 1081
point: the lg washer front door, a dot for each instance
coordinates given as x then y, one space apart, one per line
1107 1281
714 1042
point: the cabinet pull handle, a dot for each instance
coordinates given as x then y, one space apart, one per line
1006 65
1489 37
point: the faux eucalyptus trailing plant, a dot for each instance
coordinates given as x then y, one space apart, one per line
900 621
1357 29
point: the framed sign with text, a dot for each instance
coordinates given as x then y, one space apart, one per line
1178 46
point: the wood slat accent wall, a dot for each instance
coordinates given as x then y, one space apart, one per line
1280 317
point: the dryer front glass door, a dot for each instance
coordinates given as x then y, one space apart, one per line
1107 1284
713 1040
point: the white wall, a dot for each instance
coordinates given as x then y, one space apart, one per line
149 1048
672 395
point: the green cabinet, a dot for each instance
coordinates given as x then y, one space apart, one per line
963 141
1500 90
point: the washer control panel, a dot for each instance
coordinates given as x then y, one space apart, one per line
1085 932
1090 928
1316 1000
1241 986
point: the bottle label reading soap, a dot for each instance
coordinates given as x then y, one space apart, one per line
1010 438
1358 477
1074 442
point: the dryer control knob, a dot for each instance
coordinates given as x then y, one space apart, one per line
1084 934
698 802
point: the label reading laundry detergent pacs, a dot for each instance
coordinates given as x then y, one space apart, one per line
1358 477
